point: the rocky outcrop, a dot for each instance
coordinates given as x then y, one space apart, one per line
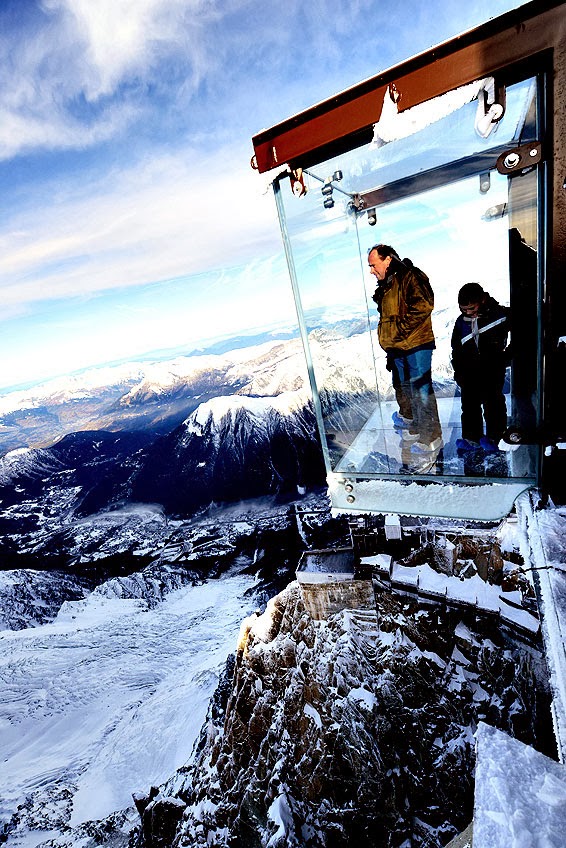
354 731
160 817
29 598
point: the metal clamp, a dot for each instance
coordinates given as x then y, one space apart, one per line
519 160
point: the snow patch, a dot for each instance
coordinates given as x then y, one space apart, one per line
363 697
520 797
310 711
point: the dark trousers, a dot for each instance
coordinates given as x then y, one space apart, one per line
482 397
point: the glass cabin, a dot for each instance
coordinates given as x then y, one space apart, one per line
457 184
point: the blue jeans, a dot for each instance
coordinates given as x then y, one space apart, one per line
412 371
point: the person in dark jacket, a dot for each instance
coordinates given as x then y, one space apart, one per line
524 342
405 301
480 358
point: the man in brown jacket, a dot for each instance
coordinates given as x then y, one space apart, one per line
405 301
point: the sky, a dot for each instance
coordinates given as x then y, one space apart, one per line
130 218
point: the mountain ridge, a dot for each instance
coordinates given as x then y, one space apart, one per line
222 456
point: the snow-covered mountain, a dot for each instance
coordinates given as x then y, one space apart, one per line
157 396
152 396
92 663
356 731
22 462
233 449
41 492
130 557
229 449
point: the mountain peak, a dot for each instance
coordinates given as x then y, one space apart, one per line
216 411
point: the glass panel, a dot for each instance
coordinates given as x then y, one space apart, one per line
337 324
467 224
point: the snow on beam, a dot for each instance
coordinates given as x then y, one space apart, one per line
472 592
343 121
546 532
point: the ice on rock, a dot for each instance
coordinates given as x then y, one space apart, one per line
520 795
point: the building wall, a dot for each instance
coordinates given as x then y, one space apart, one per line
324 599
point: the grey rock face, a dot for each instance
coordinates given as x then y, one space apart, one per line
356 731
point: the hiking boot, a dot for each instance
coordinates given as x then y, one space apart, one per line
409 437
422 463
505 446
400 421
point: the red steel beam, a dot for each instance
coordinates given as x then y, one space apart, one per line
345 118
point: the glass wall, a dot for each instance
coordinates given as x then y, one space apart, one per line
437 185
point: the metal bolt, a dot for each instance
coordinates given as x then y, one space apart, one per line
350 499
533 152
511 160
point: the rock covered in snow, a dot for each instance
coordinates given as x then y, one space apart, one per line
355 731
29 598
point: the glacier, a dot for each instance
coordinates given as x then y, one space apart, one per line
107 699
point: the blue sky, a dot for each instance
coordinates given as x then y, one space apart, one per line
130 218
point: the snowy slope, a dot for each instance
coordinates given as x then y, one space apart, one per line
26 461
108 699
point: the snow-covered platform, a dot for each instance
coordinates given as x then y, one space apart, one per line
472 592
475 486
520 795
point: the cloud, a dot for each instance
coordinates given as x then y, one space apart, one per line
55 130
164 217
126 39
125 131
76 73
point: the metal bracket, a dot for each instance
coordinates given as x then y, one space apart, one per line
358 202
520 160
